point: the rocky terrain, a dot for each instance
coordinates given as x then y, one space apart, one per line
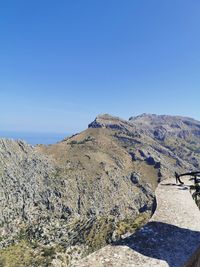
171 238
63 201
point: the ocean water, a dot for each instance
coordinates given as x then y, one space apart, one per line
35 138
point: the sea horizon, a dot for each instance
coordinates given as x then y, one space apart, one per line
34 138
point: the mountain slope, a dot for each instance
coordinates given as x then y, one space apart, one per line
61 195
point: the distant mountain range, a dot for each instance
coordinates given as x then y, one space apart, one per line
63 201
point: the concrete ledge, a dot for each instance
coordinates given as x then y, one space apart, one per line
171 238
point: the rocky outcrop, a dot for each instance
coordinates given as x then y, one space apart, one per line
26 189
111 122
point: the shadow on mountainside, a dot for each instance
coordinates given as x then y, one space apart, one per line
165 242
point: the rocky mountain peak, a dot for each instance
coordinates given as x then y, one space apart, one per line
109 121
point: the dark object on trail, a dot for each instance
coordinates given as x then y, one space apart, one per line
178 179
194 174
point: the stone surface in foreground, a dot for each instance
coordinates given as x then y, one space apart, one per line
170 238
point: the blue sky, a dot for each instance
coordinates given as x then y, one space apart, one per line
63 62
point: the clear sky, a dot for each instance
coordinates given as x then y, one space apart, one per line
63 62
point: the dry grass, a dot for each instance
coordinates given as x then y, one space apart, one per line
25 254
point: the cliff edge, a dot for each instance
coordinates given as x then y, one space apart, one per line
171 238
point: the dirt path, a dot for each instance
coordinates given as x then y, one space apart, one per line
169 239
